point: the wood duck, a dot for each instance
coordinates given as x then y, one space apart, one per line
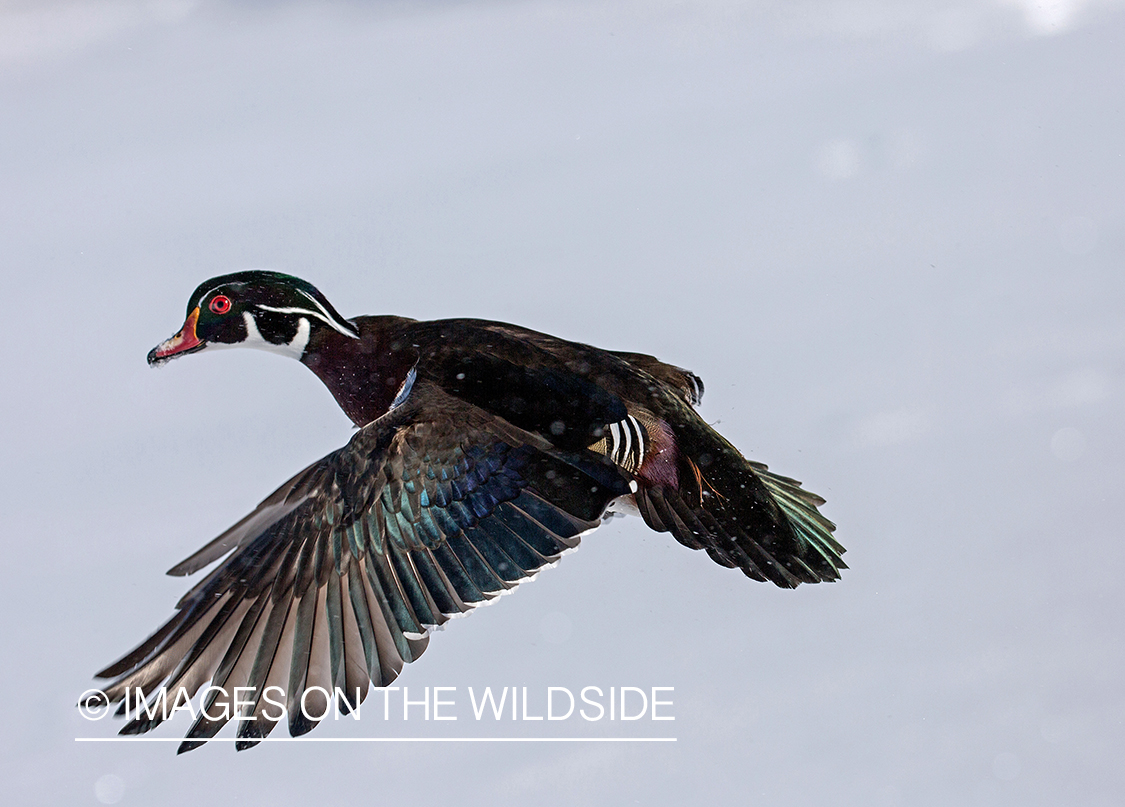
484 452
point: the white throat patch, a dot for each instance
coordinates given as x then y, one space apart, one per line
294 349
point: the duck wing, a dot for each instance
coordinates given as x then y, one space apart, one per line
337 578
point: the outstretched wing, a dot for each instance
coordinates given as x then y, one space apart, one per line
336 579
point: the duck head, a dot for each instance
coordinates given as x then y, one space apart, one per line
265 310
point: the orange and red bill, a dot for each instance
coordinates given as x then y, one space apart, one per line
183 342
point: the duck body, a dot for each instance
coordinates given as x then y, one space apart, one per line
484 452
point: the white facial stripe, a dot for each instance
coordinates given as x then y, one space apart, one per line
294 349
327 320
343 327
206 294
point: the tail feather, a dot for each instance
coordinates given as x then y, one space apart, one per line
812 528
743 515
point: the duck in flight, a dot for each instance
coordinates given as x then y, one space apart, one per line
483 452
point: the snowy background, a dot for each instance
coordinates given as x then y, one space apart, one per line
888 235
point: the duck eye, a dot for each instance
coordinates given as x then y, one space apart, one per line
220 304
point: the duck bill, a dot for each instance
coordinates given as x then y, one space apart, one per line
183 342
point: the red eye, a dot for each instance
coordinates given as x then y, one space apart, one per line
220 304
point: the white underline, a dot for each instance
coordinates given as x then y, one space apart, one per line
376 739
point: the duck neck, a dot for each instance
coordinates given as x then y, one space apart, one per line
363 374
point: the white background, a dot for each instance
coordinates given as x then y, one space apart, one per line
888 235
